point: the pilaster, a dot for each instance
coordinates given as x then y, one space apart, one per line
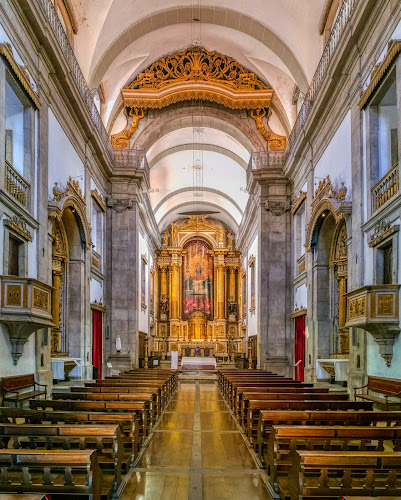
122 271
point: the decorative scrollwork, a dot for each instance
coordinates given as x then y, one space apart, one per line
120 140
197 63
275 142
197 74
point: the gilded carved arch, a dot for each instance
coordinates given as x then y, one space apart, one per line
198 74
327 199
71 197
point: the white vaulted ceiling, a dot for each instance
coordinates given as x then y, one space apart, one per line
277 40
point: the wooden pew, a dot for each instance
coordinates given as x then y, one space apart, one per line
141 408
70 473
270 418
231 393
125 383
89 396
158 404
105 438
286 440
12 496
167 383
266 390
127 421
251 396
331 474
231 382
389 387
256 406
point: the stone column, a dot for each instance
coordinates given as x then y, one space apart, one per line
356 248
273 273
122 271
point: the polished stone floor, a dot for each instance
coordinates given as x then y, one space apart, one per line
196 452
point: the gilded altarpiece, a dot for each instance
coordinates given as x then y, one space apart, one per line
199 289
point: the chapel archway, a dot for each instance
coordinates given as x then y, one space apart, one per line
327 240
71 240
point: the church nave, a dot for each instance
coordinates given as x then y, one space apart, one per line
196 451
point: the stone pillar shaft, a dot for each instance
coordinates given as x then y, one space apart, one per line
342 301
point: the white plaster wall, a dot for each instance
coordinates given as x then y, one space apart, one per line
63 159
26 363
368 262
33 257
96 290
336 159
388 120
252 317
301 297
15 122
375 363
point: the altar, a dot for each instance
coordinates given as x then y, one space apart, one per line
198 363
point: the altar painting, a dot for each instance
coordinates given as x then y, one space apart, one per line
198 281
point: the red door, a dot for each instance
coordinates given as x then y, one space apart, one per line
97 328
299 354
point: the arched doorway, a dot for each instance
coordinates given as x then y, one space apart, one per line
329 278
71 242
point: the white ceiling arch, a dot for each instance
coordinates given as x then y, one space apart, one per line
248 52
238 125
288 27
222 215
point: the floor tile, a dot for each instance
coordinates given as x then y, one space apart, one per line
156 486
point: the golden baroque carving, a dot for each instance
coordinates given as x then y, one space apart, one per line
40 299
71 188
385 304
357 307
19 226
274 141
120 140
197 63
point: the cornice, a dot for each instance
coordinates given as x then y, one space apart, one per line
19 72
380 72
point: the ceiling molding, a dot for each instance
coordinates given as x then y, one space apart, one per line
205 147
205 189
227 18
206 204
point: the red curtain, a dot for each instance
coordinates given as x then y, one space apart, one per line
97 328
299 347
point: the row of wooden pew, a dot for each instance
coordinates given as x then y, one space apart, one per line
315 443
81 442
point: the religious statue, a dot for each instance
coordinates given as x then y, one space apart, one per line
165 238
220 237
232 307
174 232
230 239
118 343
56 242
163 305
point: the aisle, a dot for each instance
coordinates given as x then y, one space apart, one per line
196 452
